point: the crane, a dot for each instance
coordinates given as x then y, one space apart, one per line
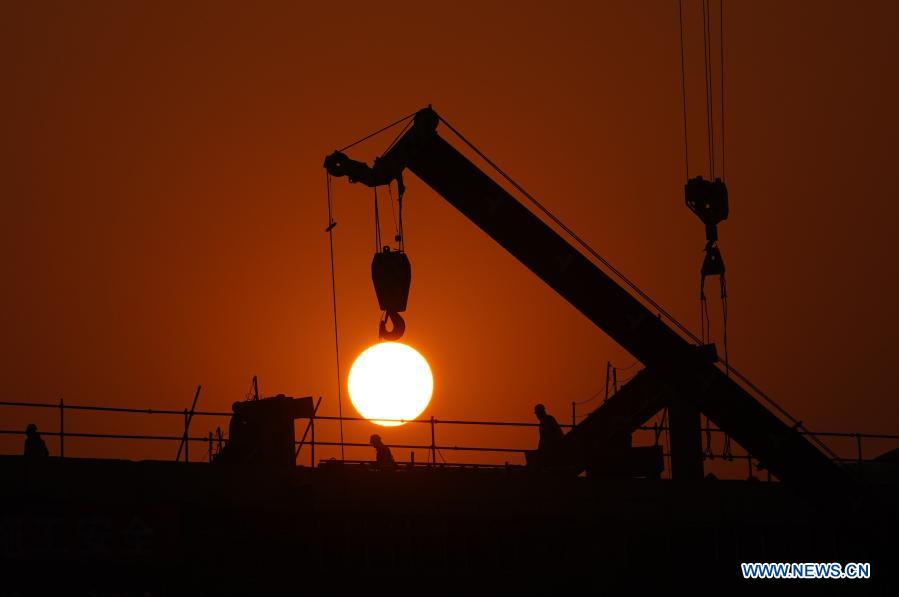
678 374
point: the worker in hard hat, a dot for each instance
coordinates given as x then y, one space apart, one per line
551 435
35 447
383 456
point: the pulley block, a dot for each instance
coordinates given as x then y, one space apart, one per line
708 200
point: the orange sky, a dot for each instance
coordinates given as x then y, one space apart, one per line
164 203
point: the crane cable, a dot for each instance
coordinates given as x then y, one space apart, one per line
683 86
398 234
377 223
705 323
399 231
400 134
723 177
377 132
605 391
710 115
330 231
723 280
721 94
709 96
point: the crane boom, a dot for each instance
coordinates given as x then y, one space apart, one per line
688 369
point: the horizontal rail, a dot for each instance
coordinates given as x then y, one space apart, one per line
425 447
427 465
205 439
438 421
428 421
117 409
109 435
432 448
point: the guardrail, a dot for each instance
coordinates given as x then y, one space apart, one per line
213 443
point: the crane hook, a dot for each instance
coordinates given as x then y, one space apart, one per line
399 327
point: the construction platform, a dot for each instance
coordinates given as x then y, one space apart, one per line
166 528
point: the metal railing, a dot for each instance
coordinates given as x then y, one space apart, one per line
434 449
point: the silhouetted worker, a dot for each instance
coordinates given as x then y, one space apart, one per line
34 443
384 457
550 432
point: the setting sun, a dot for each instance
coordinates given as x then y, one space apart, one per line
390 380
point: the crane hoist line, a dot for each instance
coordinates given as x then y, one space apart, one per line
708 198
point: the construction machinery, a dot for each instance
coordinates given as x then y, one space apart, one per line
262 432
680 375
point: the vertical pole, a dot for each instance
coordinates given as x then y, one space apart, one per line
186 437
433 442
187 418
573 415
310 426
62 429
210 446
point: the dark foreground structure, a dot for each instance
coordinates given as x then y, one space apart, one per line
165 528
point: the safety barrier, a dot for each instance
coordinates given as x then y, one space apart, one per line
212 443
